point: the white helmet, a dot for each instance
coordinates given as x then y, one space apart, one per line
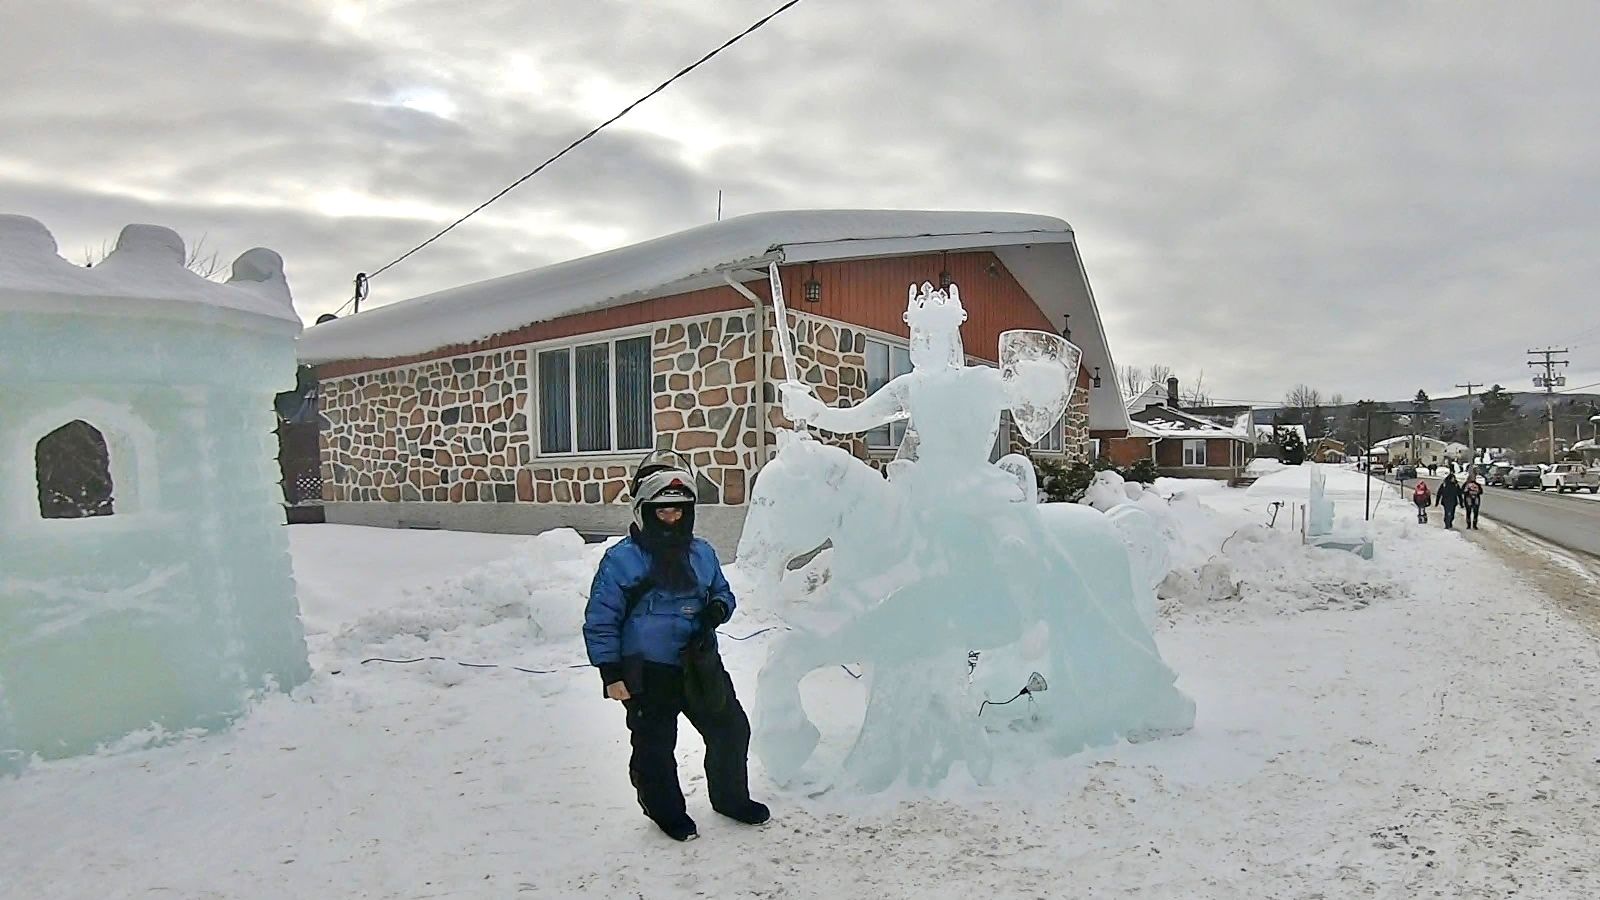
659 482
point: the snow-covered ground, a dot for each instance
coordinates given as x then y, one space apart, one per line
1425 724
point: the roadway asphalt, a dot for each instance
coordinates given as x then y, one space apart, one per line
1568 520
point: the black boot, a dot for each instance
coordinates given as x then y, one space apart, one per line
679 829
749 812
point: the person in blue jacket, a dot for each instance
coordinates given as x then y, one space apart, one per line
650 628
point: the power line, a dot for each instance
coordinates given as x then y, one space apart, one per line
592 132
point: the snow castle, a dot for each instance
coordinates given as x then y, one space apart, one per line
145 582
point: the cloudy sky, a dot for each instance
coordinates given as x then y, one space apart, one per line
1365 197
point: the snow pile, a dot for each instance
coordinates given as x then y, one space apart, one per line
1264 465
1192 529
535 595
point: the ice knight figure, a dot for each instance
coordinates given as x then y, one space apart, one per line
944 558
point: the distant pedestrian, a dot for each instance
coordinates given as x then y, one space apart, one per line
1449 498
1471 500
1423 499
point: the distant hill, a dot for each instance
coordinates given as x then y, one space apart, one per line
1453 409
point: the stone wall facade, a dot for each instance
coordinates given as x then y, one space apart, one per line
461 429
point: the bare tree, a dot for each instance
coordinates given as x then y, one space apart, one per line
206 264
1159 374
1196 395
1302 397
1133 380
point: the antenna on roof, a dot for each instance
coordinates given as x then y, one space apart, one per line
719 206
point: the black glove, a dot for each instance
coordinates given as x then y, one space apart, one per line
714 613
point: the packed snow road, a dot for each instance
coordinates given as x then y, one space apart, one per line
1425 724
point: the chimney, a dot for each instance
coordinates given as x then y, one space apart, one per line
1172 392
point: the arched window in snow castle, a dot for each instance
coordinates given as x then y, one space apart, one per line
74 471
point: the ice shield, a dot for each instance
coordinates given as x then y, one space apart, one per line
1040 371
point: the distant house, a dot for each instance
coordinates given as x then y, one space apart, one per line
523 402
1181 443
1419 450
1327 450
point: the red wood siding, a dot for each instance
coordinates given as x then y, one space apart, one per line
866 292
872 293
1125 451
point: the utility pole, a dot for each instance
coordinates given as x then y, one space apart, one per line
1549 381
1472 415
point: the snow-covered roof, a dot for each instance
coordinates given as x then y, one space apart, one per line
144 276
1039 252
1163 422
1586 444
1404 439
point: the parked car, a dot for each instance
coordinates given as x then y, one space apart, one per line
1570 476
1497 473
1523 476
1404 471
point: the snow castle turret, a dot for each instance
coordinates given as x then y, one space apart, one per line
145 583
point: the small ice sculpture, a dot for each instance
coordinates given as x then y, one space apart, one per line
145 582
1319 520
945 557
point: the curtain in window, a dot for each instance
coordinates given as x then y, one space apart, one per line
555 401
635 429
593 366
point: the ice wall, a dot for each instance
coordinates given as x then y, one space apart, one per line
167 614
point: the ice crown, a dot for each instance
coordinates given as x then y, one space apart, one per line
932 308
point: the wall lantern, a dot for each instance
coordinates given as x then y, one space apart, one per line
1066 326
944 280
813 291
1096 376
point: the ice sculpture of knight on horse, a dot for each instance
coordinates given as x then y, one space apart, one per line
948 555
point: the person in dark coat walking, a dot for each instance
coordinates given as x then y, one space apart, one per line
1449 498
1472 500
650 628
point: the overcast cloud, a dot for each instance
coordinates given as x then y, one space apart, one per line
1365 197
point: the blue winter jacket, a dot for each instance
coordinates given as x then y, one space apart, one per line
663 621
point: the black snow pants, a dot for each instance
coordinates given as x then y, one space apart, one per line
1469 508
1422 511
1449 515
653 722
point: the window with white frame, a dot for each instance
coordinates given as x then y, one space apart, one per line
1054 440
1094 448
596 398
885 362
1194 453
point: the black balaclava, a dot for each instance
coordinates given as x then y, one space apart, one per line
668 547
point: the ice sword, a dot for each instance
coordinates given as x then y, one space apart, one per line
785 346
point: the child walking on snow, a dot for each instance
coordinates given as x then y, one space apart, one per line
1423 499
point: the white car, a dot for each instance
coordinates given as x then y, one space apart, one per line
1570 476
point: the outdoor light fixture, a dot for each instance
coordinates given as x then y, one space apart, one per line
944 281
1096 376
813 291
1066 326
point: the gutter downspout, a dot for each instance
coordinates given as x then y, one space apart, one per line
760 387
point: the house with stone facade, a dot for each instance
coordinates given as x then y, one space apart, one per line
522 403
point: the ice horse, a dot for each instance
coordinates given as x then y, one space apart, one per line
946 557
